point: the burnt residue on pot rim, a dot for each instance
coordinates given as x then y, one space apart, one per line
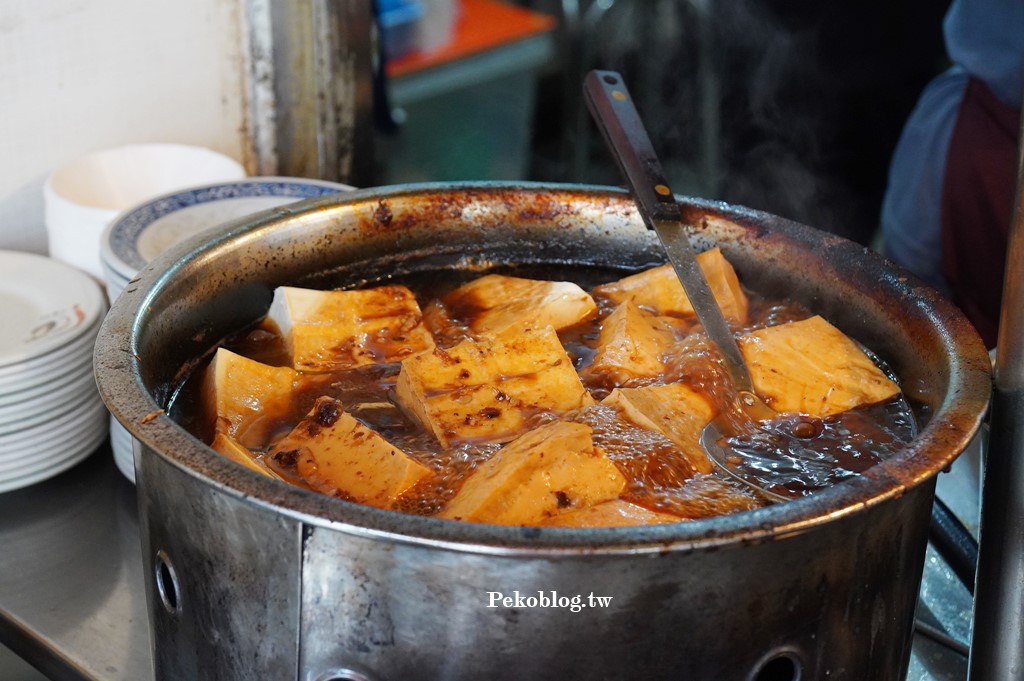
907 323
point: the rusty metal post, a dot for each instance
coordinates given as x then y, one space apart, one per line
311 88
997 650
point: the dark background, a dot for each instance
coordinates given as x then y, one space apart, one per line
807 98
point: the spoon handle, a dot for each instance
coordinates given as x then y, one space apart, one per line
612 108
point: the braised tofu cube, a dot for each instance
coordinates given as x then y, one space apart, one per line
675 410
487 390
334 453
812 367
631 345
614 513
335 330
499 305
550 470
233 451
245 399
659 290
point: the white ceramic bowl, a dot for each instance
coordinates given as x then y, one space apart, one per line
83 196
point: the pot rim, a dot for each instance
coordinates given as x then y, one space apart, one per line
948 432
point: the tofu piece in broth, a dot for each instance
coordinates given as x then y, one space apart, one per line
488 390
334 453
245 399
658 289
496 304
811 367
675 410
230 449
335 330
549 470
631 345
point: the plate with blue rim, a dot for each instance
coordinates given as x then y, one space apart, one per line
140 233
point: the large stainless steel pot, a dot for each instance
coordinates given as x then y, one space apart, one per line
249 578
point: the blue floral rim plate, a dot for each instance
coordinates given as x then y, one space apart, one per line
142 232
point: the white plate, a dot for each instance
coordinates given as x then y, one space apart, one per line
142 232
29 412
124 459
55 466
37 456
121 443
82 418
126 464
116 282
118 432
35 459
29 372
112 275
37 388
44 305
30 375
114 290
118 429
26 380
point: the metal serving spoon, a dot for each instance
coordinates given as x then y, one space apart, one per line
610 104
612 108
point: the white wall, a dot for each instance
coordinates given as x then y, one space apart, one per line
78 75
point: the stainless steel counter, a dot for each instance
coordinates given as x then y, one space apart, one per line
71 584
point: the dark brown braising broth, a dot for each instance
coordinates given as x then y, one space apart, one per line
660 478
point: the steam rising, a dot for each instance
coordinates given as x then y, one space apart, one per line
790 107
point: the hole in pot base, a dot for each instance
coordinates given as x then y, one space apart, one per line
167 583
345 675
778 666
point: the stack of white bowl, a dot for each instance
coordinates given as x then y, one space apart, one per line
144 231
51 415
83 196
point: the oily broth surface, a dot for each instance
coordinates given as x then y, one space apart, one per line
658 477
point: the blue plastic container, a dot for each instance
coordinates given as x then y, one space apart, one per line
398 20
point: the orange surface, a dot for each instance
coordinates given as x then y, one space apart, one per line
481 25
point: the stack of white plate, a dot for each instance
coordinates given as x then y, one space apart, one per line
141 233
51 416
